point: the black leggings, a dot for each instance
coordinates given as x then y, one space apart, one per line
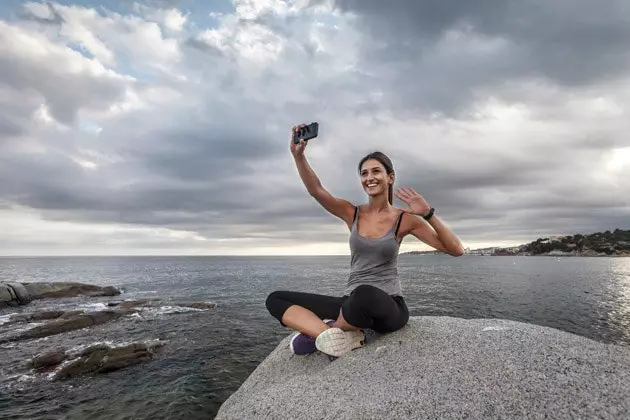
366 307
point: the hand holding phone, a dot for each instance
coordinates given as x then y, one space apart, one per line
306 132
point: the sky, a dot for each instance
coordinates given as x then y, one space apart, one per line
162 126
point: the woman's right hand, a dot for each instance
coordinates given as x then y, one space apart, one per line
297 149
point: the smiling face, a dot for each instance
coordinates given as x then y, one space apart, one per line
374 178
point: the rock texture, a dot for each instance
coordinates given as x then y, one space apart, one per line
67 289
442 367
61 322
98 358
157 302
15 294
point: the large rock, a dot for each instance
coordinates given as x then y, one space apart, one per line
7 296
15 294
98 358
35 316
67 289
47 359
442 367
156 302
22 296
68 321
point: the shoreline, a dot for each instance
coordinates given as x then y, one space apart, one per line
524 255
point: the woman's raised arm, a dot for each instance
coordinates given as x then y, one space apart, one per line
336 206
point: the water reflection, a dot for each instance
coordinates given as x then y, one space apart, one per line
619 289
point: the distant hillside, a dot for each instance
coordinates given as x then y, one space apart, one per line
615 243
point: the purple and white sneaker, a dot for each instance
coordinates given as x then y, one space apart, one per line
302 344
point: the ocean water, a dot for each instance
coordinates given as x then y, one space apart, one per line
210 353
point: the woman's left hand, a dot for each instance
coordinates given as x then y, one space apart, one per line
417 204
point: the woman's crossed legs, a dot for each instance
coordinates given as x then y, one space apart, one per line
366 307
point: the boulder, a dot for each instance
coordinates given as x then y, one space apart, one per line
198 305
102 358
63 323
137 302
15 294
7 297
22 296
154 302
35 316
70 314
443 367
67 290
48 358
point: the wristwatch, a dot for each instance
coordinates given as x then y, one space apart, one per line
429 214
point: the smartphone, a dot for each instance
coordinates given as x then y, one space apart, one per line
306 133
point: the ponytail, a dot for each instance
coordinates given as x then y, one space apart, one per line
390 194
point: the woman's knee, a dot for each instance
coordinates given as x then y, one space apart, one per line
276 303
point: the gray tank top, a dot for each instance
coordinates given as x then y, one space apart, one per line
374 261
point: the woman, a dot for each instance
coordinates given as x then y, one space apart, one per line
373 297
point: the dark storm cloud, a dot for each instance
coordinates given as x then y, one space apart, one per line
172 172
568 42
189 171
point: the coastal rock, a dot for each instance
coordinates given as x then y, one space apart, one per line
15 294
22 296
67 290
7 298
35 316
102 358
97 358
63 323
126 304
133 303
47 359
198 305
443 367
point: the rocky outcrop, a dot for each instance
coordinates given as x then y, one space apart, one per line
47 359
35 316
442 367
98 358
67 290
63 322
15 294
155 302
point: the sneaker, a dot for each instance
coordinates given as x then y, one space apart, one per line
302 344
337 342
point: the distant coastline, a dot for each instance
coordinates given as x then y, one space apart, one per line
598 244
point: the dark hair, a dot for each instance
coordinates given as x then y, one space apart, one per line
387 164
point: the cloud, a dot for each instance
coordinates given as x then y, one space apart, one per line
441 55
162 129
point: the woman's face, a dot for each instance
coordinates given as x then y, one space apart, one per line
374 178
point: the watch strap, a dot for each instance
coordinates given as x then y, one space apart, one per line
429 214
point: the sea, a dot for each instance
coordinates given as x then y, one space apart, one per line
210 353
